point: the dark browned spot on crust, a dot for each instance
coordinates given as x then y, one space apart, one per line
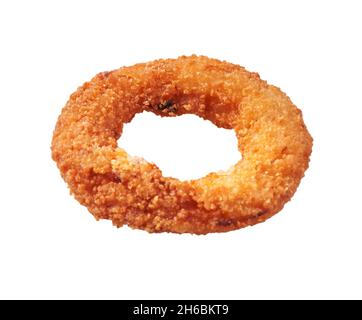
104 74
167 106
261 213
116 179
189 204
224 222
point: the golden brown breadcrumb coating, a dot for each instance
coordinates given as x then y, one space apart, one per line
272 139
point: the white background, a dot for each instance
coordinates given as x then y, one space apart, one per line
51 247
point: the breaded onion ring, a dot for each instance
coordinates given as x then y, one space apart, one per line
272 139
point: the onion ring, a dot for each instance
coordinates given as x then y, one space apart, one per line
272 139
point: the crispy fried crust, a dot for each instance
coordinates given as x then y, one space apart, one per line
272 138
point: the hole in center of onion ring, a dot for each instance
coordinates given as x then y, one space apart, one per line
184 147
